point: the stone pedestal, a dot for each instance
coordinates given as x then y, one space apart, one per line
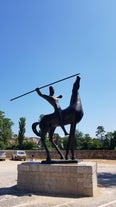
58 179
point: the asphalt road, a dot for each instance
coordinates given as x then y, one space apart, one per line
11 197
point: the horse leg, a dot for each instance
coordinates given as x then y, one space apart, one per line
53 143
70 144
42 135
48 158
67 148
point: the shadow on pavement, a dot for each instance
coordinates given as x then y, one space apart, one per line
16 192
106 179
11 191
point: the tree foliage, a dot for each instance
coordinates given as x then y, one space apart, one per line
21 131
102 142
100 133
5 130
29 145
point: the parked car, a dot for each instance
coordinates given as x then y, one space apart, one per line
2 155
19 155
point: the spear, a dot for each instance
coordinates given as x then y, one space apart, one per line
44 86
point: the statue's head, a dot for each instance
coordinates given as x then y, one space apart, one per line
78 78
77 82
51 91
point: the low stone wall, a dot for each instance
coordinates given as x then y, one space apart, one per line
58 179
79 154
96 154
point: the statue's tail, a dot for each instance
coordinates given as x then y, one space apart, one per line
34 128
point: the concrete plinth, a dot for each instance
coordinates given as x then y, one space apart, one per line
58 179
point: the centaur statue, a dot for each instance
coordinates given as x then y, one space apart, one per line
71 115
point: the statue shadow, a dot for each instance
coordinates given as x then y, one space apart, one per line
106 179
14 191
11 191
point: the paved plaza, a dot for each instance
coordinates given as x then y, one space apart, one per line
11 197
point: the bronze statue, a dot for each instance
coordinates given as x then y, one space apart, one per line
71 115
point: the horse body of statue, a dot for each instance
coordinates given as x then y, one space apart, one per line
71 115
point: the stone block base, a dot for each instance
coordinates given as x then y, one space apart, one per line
58 179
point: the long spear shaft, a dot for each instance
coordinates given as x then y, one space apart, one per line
44 86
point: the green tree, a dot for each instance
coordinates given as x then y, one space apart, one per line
106 143
100 132
79 139
95 144
5 130
113 141
29 145
21 131
87 142
65 142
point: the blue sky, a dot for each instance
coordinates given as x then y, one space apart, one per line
43 41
